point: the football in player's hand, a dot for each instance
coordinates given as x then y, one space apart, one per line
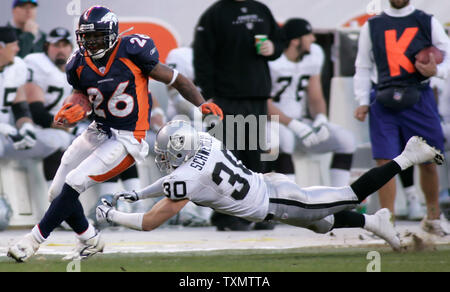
81 99
75 108
424 55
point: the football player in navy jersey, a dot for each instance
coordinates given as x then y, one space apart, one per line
113 71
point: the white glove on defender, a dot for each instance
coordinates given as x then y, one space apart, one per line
7 129
130 197
305 133
26 138
102 211
320 127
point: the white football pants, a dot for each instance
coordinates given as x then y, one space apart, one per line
92 158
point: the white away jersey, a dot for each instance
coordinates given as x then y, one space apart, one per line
215 178
290 81
44 73
11 78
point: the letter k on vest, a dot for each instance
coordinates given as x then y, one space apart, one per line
396 49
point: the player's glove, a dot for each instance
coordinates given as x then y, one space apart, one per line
102 211
211 108
25 138
320 127
130 197
7 130
305 133
70 114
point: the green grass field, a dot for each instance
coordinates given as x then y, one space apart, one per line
298 260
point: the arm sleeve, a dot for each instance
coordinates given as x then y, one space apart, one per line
152 191
204 48
364 64
441 41
40 115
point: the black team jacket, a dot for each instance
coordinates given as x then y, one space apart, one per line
225 60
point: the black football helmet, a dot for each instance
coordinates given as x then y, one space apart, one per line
98 31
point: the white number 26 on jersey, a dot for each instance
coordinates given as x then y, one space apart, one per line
119 104
141 40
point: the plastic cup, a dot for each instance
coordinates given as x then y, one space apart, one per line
259 39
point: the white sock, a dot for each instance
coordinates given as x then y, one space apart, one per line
403 162
130 220
339 177
89 233
410 193
36 233
369 221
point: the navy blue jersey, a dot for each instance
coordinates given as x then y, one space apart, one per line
119 91
395 42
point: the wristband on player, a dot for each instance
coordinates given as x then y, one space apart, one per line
40 115
21 110
174 77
